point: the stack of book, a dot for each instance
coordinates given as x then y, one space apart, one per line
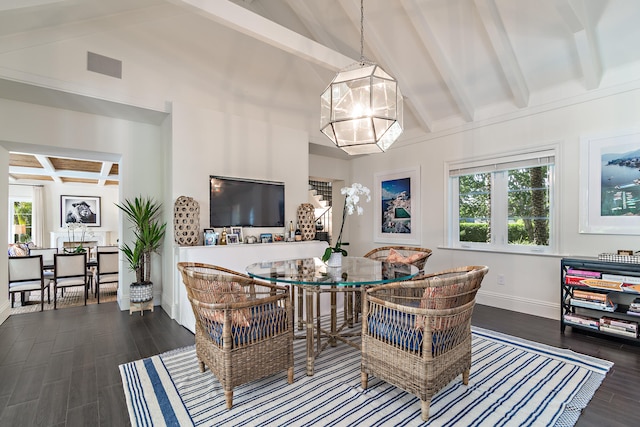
594 300
619 327
575 276
634 307
585 321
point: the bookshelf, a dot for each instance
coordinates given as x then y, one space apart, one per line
600 296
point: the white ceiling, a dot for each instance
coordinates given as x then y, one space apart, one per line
459 63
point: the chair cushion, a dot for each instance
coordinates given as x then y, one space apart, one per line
71 281
226 293
397 328
107 278
260 326
396 257
18 249
24 286
442 297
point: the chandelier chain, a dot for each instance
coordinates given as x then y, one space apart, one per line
362 31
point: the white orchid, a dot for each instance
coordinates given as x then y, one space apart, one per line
351 201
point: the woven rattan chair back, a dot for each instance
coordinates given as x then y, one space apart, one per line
244 328
416 334
382 253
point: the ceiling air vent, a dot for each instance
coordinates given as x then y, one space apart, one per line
104 65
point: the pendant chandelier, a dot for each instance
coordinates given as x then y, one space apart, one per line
361 109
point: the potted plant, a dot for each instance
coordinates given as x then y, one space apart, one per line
149 231
333 255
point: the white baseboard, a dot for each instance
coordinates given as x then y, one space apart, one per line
5 310
520 304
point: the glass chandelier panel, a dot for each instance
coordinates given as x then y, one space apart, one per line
361 110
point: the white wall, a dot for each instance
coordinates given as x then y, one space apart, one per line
208 142
51 200
532 282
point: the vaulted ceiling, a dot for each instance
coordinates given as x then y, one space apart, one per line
460 63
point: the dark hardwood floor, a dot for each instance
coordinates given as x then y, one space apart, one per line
61 367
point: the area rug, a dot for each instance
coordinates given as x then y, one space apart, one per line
512 382
72 297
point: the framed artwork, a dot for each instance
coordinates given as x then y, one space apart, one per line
266 237
396 198
80 209
238 231
610 184
232 239
210 237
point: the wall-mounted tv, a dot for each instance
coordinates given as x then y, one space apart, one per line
245 202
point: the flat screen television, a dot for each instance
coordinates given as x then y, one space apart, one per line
245 202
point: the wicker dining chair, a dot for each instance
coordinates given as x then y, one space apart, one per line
407 254
244 328
401 254
416 334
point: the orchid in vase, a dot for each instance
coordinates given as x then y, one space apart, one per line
71 234
351 201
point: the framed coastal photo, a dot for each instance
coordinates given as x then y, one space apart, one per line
232 239
396 198
80 209
610 184
238 231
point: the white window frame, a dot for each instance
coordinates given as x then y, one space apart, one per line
498 167
12 200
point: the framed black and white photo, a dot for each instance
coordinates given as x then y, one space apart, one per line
396 198
232 239
80 210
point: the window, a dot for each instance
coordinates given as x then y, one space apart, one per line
20 220
503 204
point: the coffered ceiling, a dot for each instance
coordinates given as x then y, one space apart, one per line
61 170
461 64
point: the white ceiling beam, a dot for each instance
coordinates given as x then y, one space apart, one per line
57 175
104 172
253 25
576 16
47 166
377 47
493 25
416 14
308 18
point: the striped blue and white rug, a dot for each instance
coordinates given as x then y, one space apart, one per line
513 382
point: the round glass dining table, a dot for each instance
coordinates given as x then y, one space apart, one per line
312 277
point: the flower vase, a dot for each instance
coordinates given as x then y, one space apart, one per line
335 260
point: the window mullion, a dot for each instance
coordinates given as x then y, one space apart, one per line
499 228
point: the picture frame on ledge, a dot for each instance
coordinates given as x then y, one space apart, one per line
238 231
266 238
210 237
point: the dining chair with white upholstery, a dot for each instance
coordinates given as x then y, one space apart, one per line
25 275
47 261
70 270
106 271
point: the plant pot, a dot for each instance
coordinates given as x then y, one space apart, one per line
335 260
141 292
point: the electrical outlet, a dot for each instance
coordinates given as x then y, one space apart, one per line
500 279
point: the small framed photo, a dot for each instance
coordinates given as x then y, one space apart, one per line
625 252
266 238
232 239
210 237
278 237
238 231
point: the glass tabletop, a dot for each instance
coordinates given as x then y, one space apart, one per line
354 271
